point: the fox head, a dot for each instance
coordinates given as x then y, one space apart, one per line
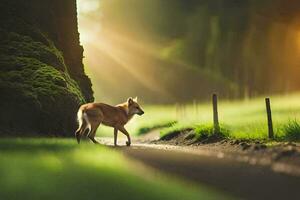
134 107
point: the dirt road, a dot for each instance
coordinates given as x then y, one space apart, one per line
236 174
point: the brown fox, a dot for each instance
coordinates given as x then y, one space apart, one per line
91 115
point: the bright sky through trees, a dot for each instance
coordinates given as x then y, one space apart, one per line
184 50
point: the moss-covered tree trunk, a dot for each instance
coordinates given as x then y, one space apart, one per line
42 79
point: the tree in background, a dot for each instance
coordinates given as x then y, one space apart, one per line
236 48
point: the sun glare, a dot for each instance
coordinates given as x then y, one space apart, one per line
106 49
86 6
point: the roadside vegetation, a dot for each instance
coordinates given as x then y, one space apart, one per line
147 129
292 131
245 119
60 169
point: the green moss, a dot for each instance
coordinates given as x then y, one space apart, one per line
39 77
37 93
24 46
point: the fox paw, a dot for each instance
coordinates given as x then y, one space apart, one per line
128 143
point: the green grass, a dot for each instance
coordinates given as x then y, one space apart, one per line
292 130
61 169
147 129
207 131
201 132
245 119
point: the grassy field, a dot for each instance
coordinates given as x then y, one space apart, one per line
61 169
241 119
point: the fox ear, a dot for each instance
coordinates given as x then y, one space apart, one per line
135 99
130 100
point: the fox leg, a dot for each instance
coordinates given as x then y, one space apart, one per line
115 136
77 134
82 128
92 133
94 140
124 131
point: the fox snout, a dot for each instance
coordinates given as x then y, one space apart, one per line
141 112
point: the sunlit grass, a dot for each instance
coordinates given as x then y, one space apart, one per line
163 124
292 131
61 169
243 119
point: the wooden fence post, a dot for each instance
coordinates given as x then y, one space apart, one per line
215 114
269 114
